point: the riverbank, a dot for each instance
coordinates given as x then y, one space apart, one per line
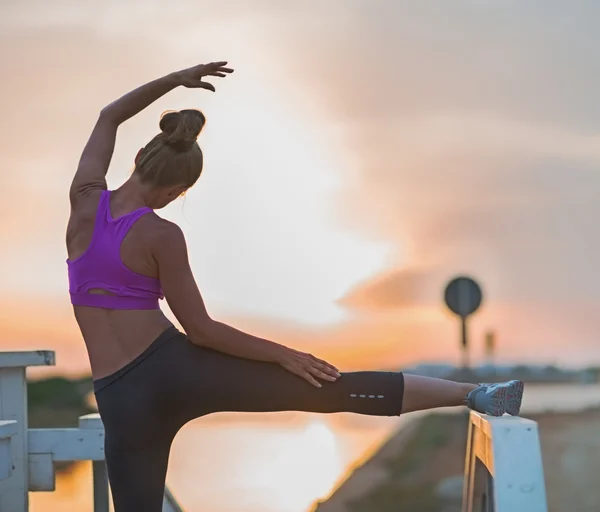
420 468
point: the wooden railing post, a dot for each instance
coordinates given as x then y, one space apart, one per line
13 407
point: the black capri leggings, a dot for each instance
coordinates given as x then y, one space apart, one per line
145 403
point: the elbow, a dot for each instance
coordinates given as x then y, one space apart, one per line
202 334
108 115
105 113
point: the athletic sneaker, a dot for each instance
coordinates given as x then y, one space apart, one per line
514 395
489 400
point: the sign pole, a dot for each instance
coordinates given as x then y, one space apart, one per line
489 347
465 352
463 297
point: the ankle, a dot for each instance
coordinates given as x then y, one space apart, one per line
467 387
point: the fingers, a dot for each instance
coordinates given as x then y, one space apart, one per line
217 66
317 372
205 85
325 363
326 370
310 368
311 379
191 77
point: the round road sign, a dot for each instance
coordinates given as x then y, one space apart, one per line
463 296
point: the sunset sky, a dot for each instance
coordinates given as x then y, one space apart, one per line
362 154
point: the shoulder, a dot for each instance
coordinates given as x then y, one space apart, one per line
166 236
164 230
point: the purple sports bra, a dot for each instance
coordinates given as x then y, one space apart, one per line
100 266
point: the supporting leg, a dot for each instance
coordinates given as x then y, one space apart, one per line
137 475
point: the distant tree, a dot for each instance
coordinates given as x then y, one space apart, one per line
57 402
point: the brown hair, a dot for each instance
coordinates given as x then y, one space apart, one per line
173 157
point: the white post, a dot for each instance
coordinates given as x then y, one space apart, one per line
99 475
506 452
13 406
7 430
100 479
170 504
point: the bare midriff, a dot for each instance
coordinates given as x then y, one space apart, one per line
114 338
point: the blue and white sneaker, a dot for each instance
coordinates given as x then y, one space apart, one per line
489 400
514 394
496 399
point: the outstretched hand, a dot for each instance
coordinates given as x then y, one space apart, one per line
308 367
192 77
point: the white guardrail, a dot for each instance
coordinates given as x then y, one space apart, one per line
27 455
503 466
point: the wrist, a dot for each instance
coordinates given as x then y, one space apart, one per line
278 353
174 79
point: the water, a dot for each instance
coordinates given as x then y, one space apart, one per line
281 462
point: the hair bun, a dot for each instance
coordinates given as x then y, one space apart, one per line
181 129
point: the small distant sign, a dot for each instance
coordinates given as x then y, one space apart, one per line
463 296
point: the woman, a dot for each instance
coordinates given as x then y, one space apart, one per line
149 378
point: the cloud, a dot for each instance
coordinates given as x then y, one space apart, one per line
472 133
475 130
399 289
407 59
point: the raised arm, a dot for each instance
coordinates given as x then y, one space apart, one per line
183 296
97 154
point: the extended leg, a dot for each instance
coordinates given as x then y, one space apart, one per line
493 399
427 393
208 381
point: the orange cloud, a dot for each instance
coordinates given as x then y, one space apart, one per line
399 289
